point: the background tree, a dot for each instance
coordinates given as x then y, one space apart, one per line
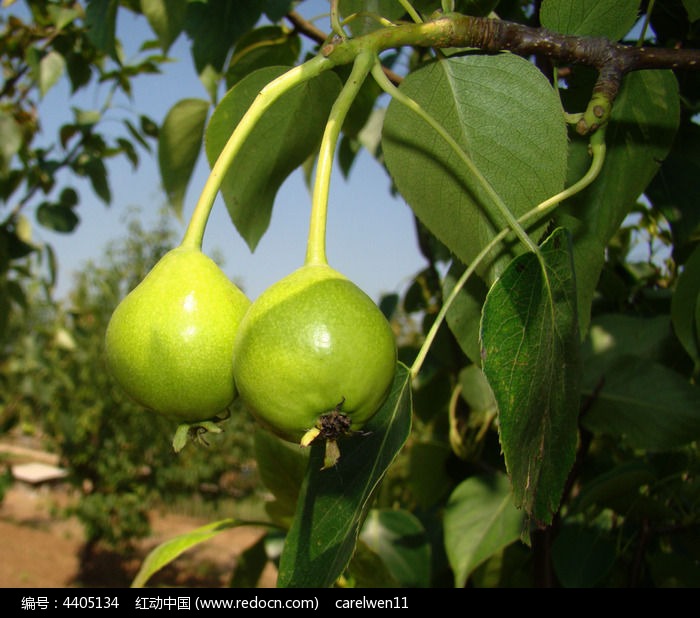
119 458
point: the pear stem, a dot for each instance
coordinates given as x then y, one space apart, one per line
316 245
194 234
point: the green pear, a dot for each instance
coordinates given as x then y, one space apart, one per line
169 342
314 353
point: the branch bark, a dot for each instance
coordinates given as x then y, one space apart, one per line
612 60
305 27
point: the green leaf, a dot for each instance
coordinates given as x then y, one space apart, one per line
582 557
22 232
368 570
13 245
388 304
480 520
167 18
697 317
612 19
179 145
427 474
469 428
639 136
282 467
214 28
69 197
79 72
51 68
530 351
57 217
333 502
285 136
136 134
464 315
277 9
506 117
674 189
51 265
181 437
5 310
476 390
16 294
431 390
644 404
148 127
685 305
95 169
101 21
129 151
166 552
250 566
262 47
86 117
400 539
32 57
589 258
61 16
9 181
693 9
670 569
615 488
613 336
10 140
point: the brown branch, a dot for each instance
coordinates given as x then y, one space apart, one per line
612 60
9 85
306 28
640 553
494 35
543 569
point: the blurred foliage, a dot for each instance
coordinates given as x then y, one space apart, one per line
119 456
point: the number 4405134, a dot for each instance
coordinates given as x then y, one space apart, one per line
91 602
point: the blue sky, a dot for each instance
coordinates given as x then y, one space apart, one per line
371 237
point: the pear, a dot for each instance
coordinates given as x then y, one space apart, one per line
314 355
169 342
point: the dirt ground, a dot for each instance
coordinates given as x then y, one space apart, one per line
40 549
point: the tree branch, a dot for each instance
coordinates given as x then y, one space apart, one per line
612 60
306 28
